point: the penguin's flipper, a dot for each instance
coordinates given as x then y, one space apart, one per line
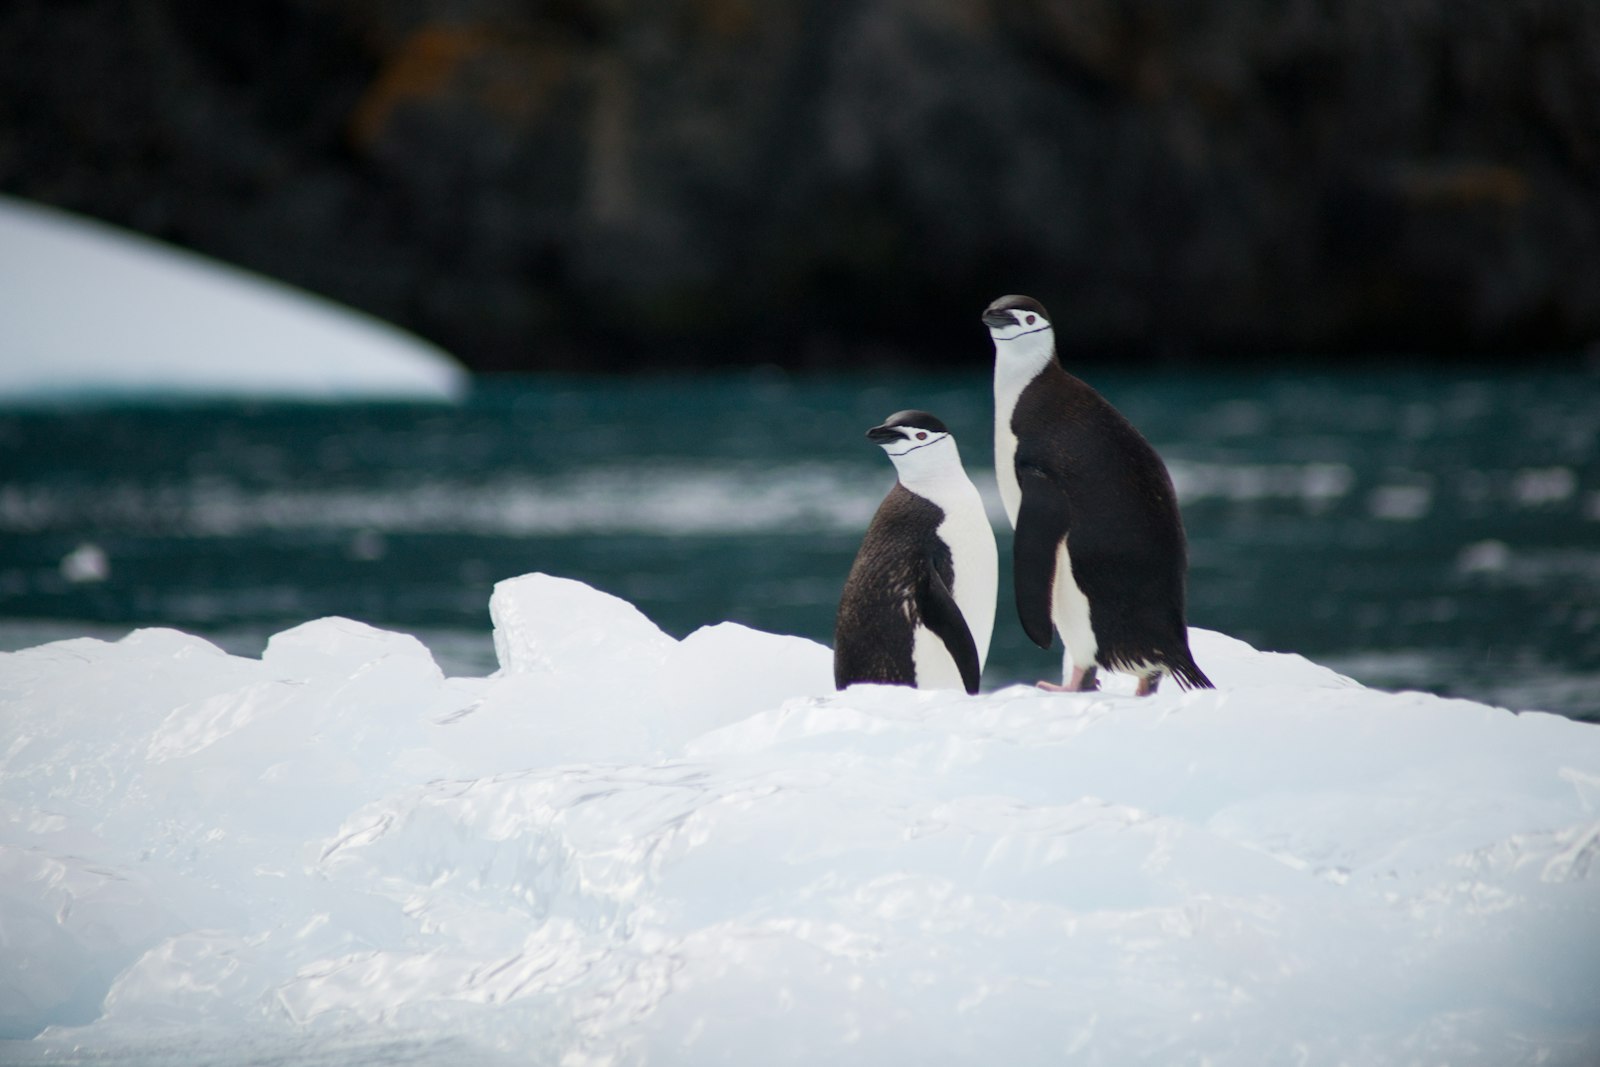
1042 520
941 615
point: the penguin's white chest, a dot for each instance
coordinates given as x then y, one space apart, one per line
975 567
976 562
1009 382
1005 468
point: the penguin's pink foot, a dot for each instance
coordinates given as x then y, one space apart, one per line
1148 683
1081 680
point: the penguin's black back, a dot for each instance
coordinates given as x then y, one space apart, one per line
873 634
1125 534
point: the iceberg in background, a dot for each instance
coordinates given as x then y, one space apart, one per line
90 310
625 849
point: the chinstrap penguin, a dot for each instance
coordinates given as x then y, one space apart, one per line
918 605
1099 550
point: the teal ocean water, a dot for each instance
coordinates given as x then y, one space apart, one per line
1413 528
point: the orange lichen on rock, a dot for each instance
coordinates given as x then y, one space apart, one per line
503 76
1465 185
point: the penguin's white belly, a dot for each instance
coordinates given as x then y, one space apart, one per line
976 563
1005 469
935 667
1069 610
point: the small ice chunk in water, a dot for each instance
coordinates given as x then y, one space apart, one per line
86 563
1484 557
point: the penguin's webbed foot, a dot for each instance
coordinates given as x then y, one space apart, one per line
1081 680
1148 683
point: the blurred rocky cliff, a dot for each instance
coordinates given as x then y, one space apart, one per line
602 184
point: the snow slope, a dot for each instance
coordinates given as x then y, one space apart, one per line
87 309
627 849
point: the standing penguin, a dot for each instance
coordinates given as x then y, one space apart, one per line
1099 548
918 606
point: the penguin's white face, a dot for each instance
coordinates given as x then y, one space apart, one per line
1024 344
919 445
1014 323
910 439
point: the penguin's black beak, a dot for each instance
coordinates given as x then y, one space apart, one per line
882 435
998 319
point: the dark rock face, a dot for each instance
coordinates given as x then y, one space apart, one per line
593 184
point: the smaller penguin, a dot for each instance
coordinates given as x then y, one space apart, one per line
918 605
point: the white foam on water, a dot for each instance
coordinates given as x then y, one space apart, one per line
664 499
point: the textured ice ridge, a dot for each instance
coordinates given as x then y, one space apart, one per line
624 848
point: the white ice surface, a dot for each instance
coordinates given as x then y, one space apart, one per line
87 309
627 849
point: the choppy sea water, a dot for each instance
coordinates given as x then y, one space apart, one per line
1426 529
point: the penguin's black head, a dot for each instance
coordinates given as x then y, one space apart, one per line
916 427
1015 315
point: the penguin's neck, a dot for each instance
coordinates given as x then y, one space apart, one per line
934 473
1018 361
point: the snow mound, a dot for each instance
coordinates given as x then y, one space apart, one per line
622 848
87 309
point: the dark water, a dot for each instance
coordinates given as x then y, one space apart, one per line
1414 528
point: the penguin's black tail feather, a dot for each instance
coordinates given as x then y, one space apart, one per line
1188 674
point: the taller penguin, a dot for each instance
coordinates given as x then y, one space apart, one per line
1099 547
918 605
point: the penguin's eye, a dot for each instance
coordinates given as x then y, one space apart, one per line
1030 320
921 436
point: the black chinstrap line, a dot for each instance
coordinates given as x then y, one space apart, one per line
914 448
1025 333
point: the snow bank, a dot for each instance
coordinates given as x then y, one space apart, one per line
89 309
626 849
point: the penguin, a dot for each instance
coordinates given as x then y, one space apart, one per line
918 605
1099 550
